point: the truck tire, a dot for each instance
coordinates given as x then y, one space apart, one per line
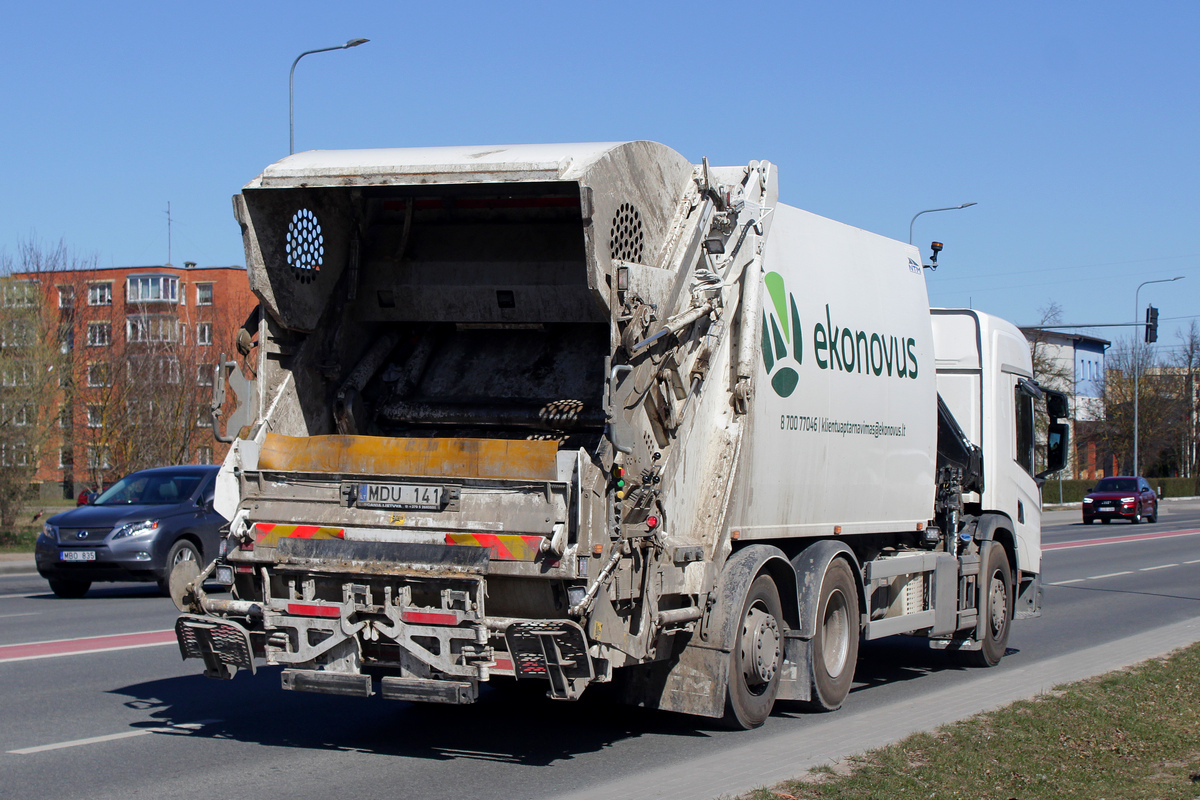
835 645
756 658
65 587
995 609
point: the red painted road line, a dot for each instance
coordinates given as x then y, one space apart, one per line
1137 537
87 644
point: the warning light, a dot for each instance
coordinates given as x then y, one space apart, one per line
620 495
651 522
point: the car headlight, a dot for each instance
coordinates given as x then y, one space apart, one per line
1128 499
1088 500
141 528
50 532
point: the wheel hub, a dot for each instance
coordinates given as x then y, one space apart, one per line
760 647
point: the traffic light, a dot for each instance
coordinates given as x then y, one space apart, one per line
1151 324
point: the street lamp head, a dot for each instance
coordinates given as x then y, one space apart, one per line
355 43
964 205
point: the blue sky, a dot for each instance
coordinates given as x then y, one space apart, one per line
1073 126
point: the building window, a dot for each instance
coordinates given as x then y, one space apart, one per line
204 294
100 294
18 294
157 369
16 414
66 297
203 415
204 455
99 334
97 375
151 328
95 417
66 458
15 374
64 417
204 333
97 457
14 454
204 375
153 289
17 333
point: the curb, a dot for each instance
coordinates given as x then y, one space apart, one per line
18 567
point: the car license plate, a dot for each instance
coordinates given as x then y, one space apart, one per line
77 555
400 495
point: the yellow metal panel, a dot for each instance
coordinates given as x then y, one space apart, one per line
382 455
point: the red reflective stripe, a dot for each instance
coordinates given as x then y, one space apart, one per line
502 663
84 644
303 532
305 610
429 618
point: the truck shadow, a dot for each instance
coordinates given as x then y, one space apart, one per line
514 723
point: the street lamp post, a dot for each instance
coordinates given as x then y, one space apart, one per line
930 210
1137 308
291 80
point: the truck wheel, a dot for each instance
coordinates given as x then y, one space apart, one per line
65 587
182 550
756 658
835 646
995 607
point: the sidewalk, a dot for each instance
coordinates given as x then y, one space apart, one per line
17 563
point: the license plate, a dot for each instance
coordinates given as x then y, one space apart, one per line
77 555
400 495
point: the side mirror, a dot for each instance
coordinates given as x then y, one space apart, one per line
1057 405
1058 439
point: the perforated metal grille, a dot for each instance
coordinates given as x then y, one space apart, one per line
627 241
305 245
228 642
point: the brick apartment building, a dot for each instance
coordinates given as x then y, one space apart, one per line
140 345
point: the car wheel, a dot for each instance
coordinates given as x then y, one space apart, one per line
182 550
64 587
1088 520
1136 518
1153 515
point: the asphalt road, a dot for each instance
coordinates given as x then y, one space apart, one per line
132 720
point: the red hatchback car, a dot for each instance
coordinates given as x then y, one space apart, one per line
1127 498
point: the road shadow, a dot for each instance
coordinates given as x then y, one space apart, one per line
513 722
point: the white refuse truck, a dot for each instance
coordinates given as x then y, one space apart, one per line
589 413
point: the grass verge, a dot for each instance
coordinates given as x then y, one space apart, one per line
1129 735
19 540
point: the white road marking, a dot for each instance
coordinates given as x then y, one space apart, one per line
1109 575
26 614
34 594
1064 583
1197 561
1160 566
186 727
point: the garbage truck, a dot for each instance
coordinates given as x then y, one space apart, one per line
593 413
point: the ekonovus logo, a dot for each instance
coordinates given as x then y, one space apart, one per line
782 340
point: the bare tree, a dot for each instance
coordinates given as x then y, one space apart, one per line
1158 406
1188 361
36 338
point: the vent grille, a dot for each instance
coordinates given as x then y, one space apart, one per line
627 240
305 246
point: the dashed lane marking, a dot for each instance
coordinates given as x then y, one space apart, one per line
1064 583
1109 575
182 728
1160 566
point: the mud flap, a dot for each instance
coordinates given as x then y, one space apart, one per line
224 646
556 650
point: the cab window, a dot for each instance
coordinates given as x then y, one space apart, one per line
1025 438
